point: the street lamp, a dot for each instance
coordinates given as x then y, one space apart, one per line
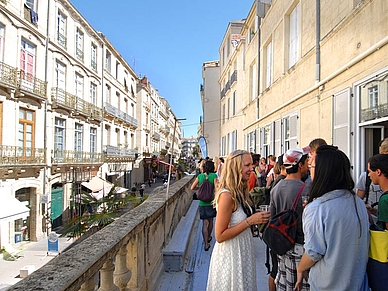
172 152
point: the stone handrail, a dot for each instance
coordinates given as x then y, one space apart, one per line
125 255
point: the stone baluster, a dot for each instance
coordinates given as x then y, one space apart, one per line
106 277
122 274
89 285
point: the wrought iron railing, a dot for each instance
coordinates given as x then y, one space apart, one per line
156 136
65 99
374 112
75 157
62 40
79 54
15 155
8 75
93 64
28 82
120 114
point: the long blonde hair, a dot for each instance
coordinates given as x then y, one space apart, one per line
231 179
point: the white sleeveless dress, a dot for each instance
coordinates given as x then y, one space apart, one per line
232 264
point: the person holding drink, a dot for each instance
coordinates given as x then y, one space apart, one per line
233 262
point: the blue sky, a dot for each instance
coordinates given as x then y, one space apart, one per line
167 41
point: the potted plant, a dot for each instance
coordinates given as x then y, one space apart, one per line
133 191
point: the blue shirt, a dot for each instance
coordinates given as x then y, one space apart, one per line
337 239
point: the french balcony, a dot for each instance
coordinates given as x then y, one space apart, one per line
8 76
120 115
125 255
233 78
75 105
30 86
113 154
93 64
62 40
79 54
59 157
374 112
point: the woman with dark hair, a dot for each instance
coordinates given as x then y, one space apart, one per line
206 210
336 227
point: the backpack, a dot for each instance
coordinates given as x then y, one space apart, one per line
206 191
260 196
280 233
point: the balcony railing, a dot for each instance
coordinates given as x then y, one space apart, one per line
156 136
93 64
119 154
120 114
29 83
62 40
75 157
112 258
233 78
375 112
72 102
14 155
8 75
79 54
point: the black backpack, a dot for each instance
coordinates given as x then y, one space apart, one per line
206 191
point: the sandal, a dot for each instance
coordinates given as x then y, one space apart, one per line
207 248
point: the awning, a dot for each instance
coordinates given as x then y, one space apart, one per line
96 184
12 209
100 194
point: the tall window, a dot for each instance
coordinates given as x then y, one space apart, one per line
93 93
60 76
31 4
117 70
93 57
223 113
93 140
79 83
234 104
79 44
1 40
26 132
27 61
373 97
294 35
61 29
59 138
228 115
108 60
108 134
268 65
107 93
78 137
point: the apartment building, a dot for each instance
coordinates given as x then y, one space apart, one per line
71 117
210 99
320 72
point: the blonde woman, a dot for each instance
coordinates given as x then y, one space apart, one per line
232 265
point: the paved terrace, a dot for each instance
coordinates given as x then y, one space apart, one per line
128 254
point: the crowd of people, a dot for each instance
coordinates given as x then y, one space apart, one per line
332 240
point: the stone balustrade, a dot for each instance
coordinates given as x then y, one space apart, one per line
125 255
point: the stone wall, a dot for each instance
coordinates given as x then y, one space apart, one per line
126 253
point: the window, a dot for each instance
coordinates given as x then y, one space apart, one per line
1 41
228 113
108 60
60 77
79 83
234 104
223 146
27 61
294 35
61 29
78 138
233 141
93 93
59 139
26 132
266 146
253 81
373 97
93 140
290 132
79 44
223 113
31 4
108 134
107 93
93 57
117 70
268 65
118 99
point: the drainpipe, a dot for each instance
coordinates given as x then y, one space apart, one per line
102 100
45 113
317 41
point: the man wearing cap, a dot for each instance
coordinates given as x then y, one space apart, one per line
282 196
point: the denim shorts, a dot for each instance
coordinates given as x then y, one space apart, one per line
207 212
